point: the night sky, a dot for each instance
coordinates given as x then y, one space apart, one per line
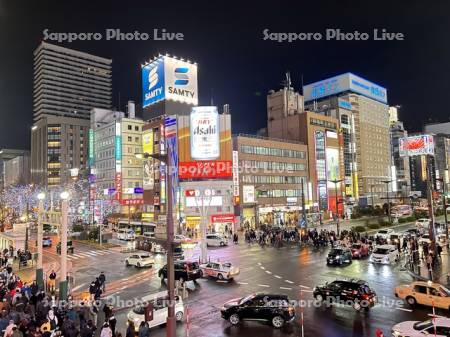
236 65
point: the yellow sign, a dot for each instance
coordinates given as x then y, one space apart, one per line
150 216
147 141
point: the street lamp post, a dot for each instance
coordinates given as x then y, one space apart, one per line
166 158
371 195
64 219
336 182
444 203
39 269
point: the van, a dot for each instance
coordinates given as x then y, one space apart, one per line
216 240
125 234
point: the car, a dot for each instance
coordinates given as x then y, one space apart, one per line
385 254
159 303
216 240
178 253
157 249
359 250
384 233
150 235
424 293
220 270
439 327
184 271
424 239
394 239
356 293
441 239
422 223
412 233
181 238
70 248
46 241
139 261
272 308
339 255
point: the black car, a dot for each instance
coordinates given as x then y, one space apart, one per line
272 308
354 292
178 253
339 256
184 271
70 248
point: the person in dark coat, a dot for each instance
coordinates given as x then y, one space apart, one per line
130 329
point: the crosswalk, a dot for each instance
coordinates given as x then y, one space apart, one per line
87 254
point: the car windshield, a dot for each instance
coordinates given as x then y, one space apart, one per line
426 236
382 232
247 298
444 291
383 251
336 251
423 325
145 256
356 246
138 310
226 265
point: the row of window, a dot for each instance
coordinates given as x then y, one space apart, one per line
278 166
279 193
270 151
271 179
136 139
320 122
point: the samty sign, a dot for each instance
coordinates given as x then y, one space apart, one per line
204 127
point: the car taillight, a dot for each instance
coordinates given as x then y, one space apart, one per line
365 297
291 310
355 292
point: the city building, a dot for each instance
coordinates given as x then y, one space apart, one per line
67 85
400 164
5 155
441 134
17 170
114 141
361 106
270 179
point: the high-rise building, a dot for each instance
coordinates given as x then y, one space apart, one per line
17 170
441 135
67 85
362 106
6 155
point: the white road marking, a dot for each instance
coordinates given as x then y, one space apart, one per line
90 253
263 285
304 287
403 309
288 281
78 287
262 267
84 255
306 291
277 276
284 288
95 252
77 255
222 281
259 263
243 283
268 272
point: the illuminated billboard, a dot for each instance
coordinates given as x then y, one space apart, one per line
342 83
416 146
332 155
148 175
147 141
204 126
171 79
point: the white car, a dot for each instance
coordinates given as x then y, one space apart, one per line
216 240
440 325
423 223
140 261
220 270
424 239
385 254
160 302
384 233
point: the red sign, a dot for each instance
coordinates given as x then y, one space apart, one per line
127 202
156 200
221 218
189 193
206 169
118 186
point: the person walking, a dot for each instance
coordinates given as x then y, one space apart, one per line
144 330
106 330
130 330
52 281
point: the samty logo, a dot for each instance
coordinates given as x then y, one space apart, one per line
181 76
153 77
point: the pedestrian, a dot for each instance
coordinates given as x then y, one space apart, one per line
144 331
88 330
106 330
102 279
112 321
52 281
130 330
439 250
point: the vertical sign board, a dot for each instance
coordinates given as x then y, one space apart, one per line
147 163
204 133
170 132
91 147
235 174
321 169
118 158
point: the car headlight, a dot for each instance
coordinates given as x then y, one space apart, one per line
386 259
338 256
136 319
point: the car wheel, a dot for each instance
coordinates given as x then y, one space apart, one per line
411 301
319 297
222 244
127 263
179 316
357 306
138 265
340 262
277 322
220 276
234 319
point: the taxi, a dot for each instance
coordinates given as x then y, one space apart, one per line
425 293
222 271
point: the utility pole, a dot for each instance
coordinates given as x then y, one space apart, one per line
64 220
371 195
303 203
336 182
431 229
39 269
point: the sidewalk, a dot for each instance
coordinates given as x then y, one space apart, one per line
440 272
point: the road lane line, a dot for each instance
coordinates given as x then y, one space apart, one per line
78 255
263 285
243 283
84 255
403 309
304 287
306 291
268 272
277 276
285 288
259 263
288 281
222 281
78 287
262 268
90 253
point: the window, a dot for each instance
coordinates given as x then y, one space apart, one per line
130 139
420 289
136 139
129 127
136 128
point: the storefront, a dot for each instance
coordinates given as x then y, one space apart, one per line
222 223
281 216
248 217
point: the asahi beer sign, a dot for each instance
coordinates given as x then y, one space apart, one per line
204 127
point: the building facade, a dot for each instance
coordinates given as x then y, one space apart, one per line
441 132
17 171
270 178
5 155
400 165
67 85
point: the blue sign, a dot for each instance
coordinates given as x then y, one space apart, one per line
345 104
111 190
138 190
118 149
153 82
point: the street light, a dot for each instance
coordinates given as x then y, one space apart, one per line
165 158
39 269
336 182
64 215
